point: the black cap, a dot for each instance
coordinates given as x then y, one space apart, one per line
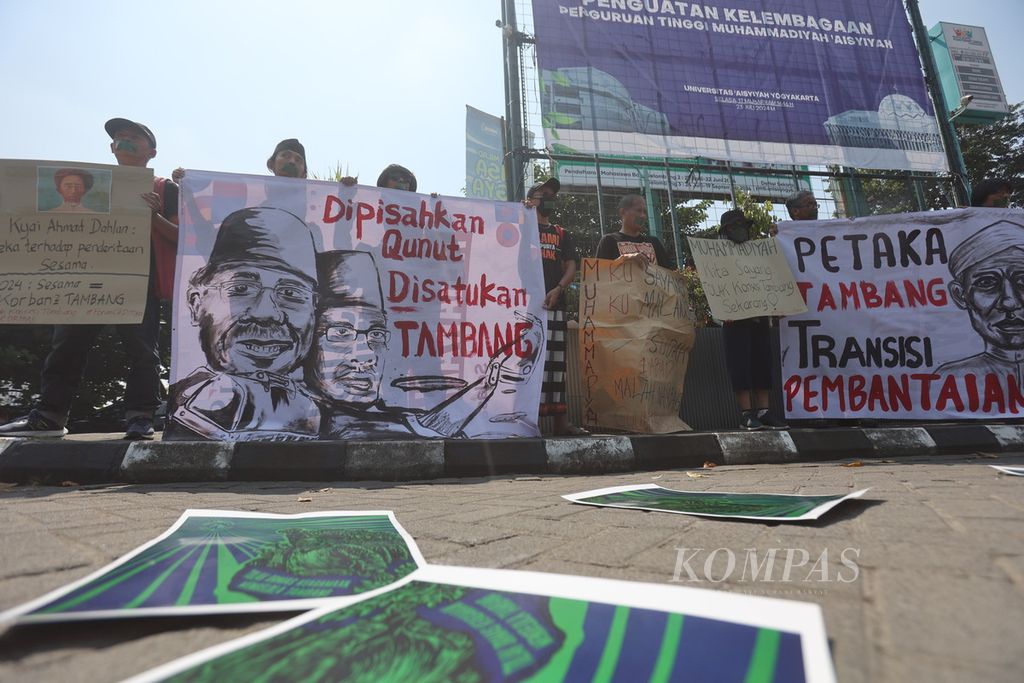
114 125
551 184
733 216
290 144
382 179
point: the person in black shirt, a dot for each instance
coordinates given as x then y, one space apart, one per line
630 241
559 254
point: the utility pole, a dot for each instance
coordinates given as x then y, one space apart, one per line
514 159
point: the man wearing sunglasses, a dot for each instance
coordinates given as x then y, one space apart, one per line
253 304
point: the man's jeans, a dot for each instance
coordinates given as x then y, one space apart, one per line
63 369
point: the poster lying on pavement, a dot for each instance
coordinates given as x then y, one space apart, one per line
1015 471
461 624
774 507
218 561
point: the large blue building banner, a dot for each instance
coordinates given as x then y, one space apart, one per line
781 82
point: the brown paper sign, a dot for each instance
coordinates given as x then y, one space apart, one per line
74 242
636 332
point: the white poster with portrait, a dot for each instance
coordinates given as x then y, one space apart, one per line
910 316
311 310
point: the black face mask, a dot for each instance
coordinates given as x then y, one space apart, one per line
545 207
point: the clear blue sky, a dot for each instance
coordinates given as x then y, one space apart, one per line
363 83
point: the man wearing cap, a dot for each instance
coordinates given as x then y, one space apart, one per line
988 282
346 366
132 144
254 304
747 343
559 257
72 184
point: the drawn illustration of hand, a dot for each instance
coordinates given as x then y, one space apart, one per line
506 367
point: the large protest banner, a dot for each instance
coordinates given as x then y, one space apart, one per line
485 156
745 280
807 82
635 340
74 246
308 309
910 316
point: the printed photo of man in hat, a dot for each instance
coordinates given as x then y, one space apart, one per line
254 303
988 283
349 356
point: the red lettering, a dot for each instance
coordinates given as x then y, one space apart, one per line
899 392
870 293
926 389
805 287
970 383
949 393
835 385
406 326
826 300
330 205
810 394
849 293
994 393
876 394
792 390
892 295
1015 399
857 396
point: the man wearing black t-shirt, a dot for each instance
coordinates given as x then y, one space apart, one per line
133 144
630 241
559 254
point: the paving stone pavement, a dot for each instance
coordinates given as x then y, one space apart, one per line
933 588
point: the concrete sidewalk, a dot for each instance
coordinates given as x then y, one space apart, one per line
99 459
938 596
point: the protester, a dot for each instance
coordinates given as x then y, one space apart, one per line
559 255
287 161
992 193
747 343
630 241
802 206
133 144
397 177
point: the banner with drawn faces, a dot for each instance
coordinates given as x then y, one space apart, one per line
315 310
910 316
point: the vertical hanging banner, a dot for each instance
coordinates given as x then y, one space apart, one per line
808 82
74 242
910 316
485 156
635 340
309 310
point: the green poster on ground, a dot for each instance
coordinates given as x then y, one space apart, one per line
774 507
481 625
217 561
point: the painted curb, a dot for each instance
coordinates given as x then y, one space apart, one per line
28 461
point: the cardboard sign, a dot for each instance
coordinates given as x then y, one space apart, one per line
745 280
635 341
74 242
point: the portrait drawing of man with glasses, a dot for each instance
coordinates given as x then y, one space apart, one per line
254 303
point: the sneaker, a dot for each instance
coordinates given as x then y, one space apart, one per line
33 426
766 419
140 428
750 422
